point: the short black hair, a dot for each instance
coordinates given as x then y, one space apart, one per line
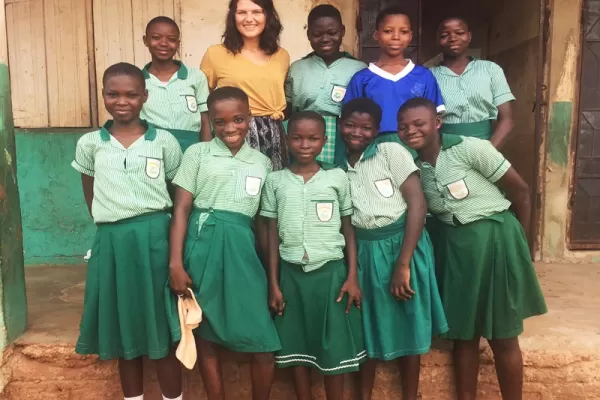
126 69
164 20
454 18
324 11
362 105
416 102
388 11
227 93
306 115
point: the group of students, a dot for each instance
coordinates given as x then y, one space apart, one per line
300 218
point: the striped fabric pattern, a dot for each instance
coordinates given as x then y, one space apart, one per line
132 181
474 95
327 155
309 215
461 188
375 186
221 181
178 103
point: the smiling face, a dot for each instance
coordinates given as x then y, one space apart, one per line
250 19
306 139
162 40
454 37
394 34
418 127
124 96
230 119
358 131
325 35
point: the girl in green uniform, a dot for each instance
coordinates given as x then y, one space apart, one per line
475 91
125 168
312 288
401 303
218 188
177 93
487 279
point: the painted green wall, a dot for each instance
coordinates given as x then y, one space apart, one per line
57 228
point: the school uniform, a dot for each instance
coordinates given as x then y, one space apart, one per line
485 273
472 98
392 328
228 279
312 85
176 105
315 331
124 313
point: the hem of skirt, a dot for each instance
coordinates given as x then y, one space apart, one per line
504 335
240 349
399 353
304 360
130 355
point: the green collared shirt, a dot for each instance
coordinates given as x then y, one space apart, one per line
221 181
474 95
461 187
375 182
128 181
176 104
309 215
312 85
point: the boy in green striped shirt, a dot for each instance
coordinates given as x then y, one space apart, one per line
176 93
125 168
309 206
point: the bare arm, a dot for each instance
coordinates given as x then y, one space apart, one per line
87 182
504 125
276 302
180 280
517 191
205 130
351 285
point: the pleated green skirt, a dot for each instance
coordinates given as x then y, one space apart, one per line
315 331
124 314
487 280
396 328
229 282
185 138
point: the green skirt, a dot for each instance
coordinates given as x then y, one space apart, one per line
481 130
396 328
229 282
315 331
124 313
486 277
185 138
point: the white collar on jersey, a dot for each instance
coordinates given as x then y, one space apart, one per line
386 75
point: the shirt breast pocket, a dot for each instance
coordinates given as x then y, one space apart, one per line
338 92
249 183
323 207
187 102
385 187
456 186
150 163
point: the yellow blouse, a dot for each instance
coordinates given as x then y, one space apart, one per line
264 84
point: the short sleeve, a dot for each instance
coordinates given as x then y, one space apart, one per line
344 197
483 157
434 93
202 92
268 207
187 174
85 155
209 68
289 86
354 89
500 89
400 162
172 156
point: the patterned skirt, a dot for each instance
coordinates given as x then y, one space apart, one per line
267 135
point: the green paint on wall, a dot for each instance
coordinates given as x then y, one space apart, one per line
57 228
559 129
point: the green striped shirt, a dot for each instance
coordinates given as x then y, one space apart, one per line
221 181
375 182
461 187
176 104
474 95
128 181
309 215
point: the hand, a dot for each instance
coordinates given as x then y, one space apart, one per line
400 285
354 295
179 280
276 302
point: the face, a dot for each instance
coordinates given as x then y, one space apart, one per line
358 131
230 119
250 19
394 34
124 96
418 127
454 37
162 40
325 36
306 140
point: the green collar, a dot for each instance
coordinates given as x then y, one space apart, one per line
182 73
326 166
447 71
345 54
448 141
149 135
219 149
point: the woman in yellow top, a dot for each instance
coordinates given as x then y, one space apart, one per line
250 58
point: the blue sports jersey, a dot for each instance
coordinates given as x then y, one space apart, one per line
391 91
